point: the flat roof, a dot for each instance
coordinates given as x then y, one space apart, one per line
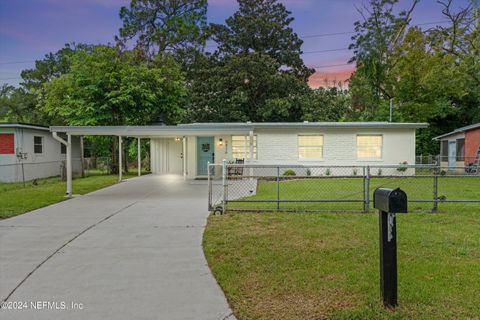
223 128
459 130
23 126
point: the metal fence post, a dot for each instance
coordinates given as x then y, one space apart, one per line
366 188
436 172
225 185
278 188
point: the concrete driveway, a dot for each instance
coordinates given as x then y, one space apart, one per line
130 251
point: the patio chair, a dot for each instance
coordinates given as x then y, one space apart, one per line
236 170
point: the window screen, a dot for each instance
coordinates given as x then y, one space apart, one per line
310 147
369 147
460 149
241 147
38 145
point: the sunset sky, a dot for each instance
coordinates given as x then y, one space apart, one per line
31 28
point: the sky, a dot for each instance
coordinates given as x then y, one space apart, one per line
29 29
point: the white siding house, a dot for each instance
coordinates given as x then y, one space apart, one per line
188 148
30 152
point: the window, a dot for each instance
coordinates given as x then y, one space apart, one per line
460 149
38 145
63 148
444 149
241 147
310 147
369 146
7 143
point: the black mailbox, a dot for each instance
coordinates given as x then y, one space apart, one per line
390 200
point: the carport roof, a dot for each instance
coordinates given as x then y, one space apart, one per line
223 128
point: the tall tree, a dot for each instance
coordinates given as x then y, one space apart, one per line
160 26
256 73
245 87
109 87
262 26
376 36
18 105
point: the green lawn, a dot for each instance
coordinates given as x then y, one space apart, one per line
417 188
326 266
16 199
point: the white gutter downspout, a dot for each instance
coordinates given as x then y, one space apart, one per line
68 144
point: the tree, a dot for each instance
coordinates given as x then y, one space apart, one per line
245 87
324 104
375 39
262 26
109 87
160 26
18 105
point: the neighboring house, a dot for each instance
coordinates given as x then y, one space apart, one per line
30 152
188 148
461 147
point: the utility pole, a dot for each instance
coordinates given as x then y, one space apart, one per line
391 109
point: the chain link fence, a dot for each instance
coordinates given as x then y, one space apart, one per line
296 188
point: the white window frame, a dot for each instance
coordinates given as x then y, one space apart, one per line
369 158
246 147
300 146
42 144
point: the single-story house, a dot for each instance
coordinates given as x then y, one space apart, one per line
188 148
30 152
461 147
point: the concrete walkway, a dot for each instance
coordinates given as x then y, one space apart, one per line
130 251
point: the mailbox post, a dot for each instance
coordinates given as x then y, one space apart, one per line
389 202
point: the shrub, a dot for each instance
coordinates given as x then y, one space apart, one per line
289 172
355 172
379 172
327 173
309 172
402 167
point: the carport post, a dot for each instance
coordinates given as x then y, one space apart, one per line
69 166
184 156
139 159
120 158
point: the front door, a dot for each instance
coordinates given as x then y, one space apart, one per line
205 154
452 154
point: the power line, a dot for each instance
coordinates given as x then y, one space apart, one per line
331 65
326 50
16 78
302 36
351 32
17 62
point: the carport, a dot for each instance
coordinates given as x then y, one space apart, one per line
186 134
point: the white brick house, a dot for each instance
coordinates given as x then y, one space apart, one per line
188 148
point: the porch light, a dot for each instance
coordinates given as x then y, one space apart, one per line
220 142
177 139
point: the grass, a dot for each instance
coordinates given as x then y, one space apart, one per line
326 266
417 188
16 199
